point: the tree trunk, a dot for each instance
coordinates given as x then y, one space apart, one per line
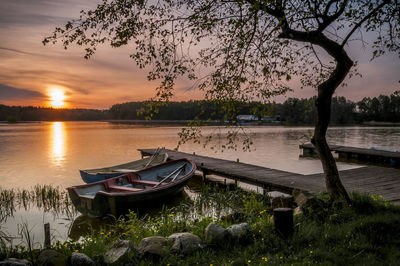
333 183
326 89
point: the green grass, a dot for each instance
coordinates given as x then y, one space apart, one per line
367 233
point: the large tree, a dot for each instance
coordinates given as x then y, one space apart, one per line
241 50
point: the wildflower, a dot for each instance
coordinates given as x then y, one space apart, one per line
281 257
109 233
262 239
259 231
310 251
249 261
76 251
171 215
261 212
101 233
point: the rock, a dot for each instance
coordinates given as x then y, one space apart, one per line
280 200
216 234
184 243
154 246
50 257
80 259
239 232
14 262
297 211
306 200
120 252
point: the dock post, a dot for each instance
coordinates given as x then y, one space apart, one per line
283 221
47 241
203 171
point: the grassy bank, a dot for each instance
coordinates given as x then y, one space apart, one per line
368 233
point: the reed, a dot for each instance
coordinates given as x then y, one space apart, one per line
28 238
44 197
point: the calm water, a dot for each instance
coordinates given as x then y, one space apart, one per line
52 153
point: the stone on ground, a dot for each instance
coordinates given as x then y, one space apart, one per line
216 234
184 243
120 252
280 200
154 246
306 200
50 257
239 231
80 259
15 262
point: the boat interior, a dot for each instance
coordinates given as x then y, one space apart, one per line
133 182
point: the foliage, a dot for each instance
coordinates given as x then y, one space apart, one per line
383 108
31 113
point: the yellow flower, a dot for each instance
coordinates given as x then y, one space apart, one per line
259 231
281 257
109 233
101 233
75 251
248 261
171 215
310 251
262 239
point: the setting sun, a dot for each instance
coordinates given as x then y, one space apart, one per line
57 98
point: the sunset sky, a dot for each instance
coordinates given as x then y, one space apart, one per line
33 74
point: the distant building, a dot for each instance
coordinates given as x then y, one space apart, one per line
246 119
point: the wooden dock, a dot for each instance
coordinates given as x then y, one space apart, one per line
345 153
376 180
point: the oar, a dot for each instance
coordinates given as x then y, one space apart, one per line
173 179
168 176
153 156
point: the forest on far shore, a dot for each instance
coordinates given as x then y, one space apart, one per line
294 111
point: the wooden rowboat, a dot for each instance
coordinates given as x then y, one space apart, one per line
99 174
129 191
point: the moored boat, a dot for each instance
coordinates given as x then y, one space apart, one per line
99 174
133 190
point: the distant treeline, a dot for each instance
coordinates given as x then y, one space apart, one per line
30 113
292 112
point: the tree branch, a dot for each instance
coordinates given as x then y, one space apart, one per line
369 15
327 20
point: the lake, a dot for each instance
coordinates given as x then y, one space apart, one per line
52 152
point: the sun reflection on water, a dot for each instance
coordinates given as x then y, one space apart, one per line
58 143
